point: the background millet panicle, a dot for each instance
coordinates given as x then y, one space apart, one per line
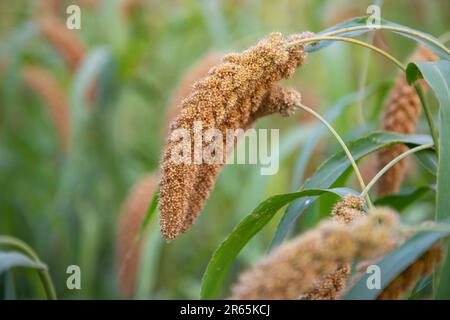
229 97
129 224
329 286
44 85
402 110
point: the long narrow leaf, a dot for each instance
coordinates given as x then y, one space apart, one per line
228 250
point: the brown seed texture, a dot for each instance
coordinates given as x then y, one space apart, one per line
194 74
330 286
291 270
401 112
44 85
129 224
233 95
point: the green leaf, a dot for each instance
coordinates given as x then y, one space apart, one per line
333 168
437 75
428 40
314 138
84 79
402 200
13 259
228 250
393 264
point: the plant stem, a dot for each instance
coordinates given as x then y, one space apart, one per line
344 147
391 164
429 117
44 276
390 28
354 41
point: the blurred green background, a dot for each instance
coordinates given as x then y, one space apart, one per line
66 204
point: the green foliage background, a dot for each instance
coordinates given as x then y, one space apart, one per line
66 206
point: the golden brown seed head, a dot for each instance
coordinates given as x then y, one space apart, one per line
293 269
44 85
229 97
65 41
129 224
401 112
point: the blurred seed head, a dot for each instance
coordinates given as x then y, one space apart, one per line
65 41
401 112
129 224
293 268
231 96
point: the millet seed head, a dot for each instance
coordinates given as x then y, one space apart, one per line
401 111
129 224
233 95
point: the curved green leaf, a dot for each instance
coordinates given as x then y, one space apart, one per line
435 45
402 200
12 259
334 112
393 264
228 250
84 78
335 167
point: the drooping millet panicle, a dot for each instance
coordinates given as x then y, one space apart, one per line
44 85
328 287
65 41
277 100
196 72
401 112
229 97
291 270
404 282
129 224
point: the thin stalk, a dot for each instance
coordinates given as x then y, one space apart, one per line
429 116
362 81
391 164
390 28
354 41
344 147
44 276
